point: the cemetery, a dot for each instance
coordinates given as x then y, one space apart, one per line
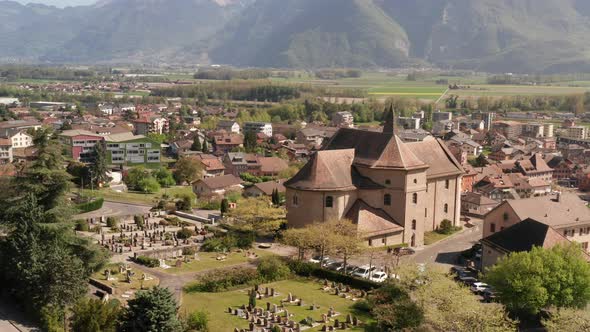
121 282
150 235
294 305
201 261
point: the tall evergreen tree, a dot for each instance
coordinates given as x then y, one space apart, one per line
152 310
205 147
224 206
196 144
98 168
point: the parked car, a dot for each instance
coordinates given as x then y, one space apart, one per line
335 266
479 287
467 280
351 269
489 295
363 271
316 259
404 251
378 276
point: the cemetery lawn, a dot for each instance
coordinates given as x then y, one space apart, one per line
120 283
137 197
208 261
216 304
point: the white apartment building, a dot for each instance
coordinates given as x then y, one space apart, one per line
258 127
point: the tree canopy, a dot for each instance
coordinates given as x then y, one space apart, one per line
530 281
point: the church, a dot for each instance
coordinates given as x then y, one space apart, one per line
393 191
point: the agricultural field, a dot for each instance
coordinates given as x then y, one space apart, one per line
474 91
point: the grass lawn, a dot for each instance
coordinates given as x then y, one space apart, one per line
120 283
310 291
139 198
208 261
434 236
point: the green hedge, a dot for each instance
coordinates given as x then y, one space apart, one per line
147 261
91 206
223 280
306 269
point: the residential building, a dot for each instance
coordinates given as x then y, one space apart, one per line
343 120
576 132
18 125
315 136
535 167
212 166
79 144
510 129
565 212
439 116
476 204
258 128
217 186
126 148
5 151
521 237
229 126
487 117
151 125
271 166
534 130
408 123
18 137
225 143
265 188
380 183
549 130
237 163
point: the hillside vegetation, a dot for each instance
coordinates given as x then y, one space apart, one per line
531 36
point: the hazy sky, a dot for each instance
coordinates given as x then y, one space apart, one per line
60 3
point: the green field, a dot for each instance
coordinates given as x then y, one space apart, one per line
216 304
208 261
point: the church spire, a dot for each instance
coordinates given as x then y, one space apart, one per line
389 121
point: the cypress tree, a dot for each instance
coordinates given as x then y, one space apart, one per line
196 144
205 147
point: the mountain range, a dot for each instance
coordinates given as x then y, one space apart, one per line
533 36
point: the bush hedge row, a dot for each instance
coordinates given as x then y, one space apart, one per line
91 206
306 269
147 261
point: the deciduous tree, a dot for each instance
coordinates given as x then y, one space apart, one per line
530 281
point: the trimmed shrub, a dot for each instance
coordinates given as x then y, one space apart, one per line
112 222
82 225
446 227
272 269
198 321
139 221
91 206
222 280
184 233
189 251
147 261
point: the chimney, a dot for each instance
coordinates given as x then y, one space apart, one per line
389 121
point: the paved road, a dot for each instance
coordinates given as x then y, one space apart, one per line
444 252
447 251
13 321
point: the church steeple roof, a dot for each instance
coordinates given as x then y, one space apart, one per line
389 121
